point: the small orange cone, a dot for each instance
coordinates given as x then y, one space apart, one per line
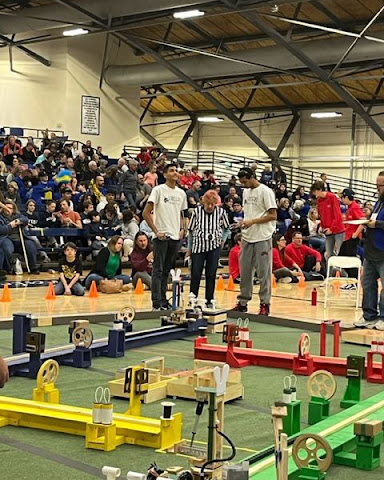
220 284
336 283
6 295
302 281
93 293
139 287
50 295
231 284
273 281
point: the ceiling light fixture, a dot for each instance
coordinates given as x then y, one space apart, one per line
188 14
75 32
210 119
326 114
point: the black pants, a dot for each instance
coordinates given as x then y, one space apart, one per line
210 260
349 249
309 266
164 257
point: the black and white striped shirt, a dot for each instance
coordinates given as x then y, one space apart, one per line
207 228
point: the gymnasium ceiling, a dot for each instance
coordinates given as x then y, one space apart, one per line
352 77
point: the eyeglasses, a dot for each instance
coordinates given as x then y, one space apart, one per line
378 185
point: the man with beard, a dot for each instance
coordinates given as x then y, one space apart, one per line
373 308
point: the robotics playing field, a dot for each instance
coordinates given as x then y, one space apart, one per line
31 454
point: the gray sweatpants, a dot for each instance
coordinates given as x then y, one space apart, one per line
255 257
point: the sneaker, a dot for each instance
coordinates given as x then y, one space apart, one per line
363 323
264 309
379 325
219 265
349 286
285 280
240 308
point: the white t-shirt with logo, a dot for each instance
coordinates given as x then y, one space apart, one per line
256 203
167 205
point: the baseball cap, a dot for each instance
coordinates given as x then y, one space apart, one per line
348 192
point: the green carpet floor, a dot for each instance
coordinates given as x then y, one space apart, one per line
32 454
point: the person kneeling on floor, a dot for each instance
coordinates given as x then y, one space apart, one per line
70 268
308 259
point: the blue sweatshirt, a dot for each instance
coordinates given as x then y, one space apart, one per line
374 244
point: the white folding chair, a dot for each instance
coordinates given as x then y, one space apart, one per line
340 263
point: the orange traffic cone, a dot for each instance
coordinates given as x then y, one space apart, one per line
231 284
139 287
93 293
6 295
302 281
220 284
50 295
273 281
337 283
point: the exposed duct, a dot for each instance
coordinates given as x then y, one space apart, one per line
20 23
323 52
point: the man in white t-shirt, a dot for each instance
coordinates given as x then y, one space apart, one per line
258 226
167 202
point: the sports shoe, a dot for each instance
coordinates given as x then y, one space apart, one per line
363 323
285 280
349 286
264 309
240 308
379 325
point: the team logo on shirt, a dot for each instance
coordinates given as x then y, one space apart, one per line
172 200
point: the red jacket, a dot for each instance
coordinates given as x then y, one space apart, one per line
233 262
330 213
139 261
277 262
298 255
354 212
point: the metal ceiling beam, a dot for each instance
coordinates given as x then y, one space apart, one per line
288 133
200 31
249 100
375 95
186 135
150 137
27 51
273 109
344 94
323 9
228 113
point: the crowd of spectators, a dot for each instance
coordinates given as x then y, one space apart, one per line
59 185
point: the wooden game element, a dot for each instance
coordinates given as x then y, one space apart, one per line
281 441
82 337
322 384
362 336
173 382
126 314
304 344
309 448
368 428
216 319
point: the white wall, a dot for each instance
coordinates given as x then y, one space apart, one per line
37 96
321 145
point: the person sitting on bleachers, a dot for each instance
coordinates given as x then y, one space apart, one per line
316 237
68 217
12 225
129 228
267 176
11 148
141 260
44 189
308 259
281 192
108 264
12 193
193 194
186 180
49 165
285 215
109 218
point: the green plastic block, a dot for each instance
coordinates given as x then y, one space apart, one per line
292 422
318 410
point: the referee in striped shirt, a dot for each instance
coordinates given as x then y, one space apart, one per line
208 230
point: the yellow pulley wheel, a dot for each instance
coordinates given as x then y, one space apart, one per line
309 448
48 373
322 384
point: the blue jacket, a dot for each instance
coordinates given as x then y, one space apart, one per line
374 245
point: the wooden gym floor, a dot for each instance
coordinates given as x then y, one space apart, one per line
288 301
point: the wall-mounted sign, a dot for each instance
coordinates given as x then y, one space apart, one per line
90 115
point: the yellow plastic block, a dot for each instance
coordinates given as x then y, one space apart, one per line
102 437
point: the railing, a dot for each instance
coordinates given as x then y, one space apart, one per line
224 165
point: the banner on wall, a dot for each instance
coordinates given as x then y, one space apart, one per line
90 115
